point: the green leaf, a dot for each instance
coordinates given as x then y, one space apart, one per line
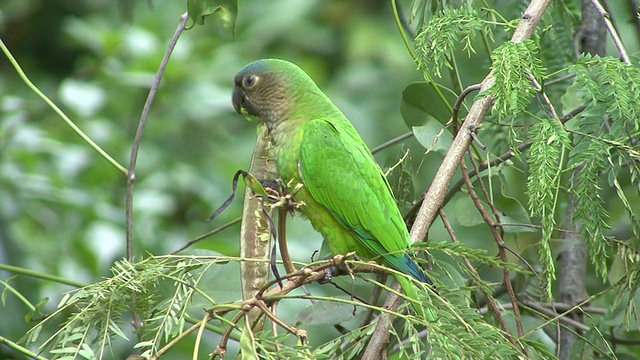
433 136
227 11
420 100
513 212
248 343
466 213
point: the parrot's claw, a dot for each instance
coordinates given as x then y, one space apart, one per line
278 196
274 186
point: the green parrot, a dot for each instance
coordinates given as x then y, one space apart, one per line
344 192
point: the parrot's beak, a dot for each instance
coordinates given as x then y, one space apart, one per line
238 99
241 102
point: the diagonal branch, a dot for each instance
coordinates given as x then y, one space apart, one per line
438 189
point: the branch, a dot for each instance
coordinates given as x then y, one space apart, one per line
55 108
131 173
437 191
612 31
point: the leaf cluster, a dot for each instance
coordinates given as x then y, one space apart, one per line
98 311
436 42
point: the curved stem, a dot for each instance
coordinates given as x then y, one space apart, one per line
60 113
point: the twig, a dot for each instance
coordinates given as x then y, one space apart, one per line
456 107
377 291
178 339
501 247
491 302
485 165
282 240
55 108
552 314
546 99
392 142
612 31
204 236
17 347
221 349
131 173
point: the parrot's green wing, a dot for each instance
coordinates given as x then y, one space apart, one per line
340 173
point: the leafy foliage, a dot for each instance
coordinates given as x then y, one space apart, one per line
515 67
444 32
550 141
98 310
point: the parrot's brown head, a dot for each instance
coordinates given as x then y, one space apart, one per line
270 89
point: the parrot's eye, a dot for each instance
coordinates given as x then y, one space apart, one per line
249 81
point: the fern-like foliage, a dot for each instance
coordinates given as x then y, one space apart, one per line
606 133
550 140
590 158
98 310
515 66
444 33
608 81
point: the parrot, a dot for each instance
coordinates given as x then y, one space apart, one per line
342 189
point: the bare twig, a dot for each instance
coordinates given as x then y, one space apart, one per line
501 248
55 108
491 302
456 107
485 165
208 234
282 241
392 142
131 172
612 31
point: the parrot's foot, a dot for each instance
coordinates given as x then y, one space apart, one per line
278 196
338 268
275 186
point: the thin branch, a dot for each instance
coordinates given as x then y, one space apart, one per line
204 236
501 248
491 302
55 108
612 31
22 350
392 142
463 95
282 241
131 173
485 165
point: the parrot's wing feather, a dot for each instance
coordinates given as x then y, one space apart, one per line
340 173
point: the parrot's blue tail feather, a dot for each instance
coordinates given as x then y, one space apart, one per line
415 271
